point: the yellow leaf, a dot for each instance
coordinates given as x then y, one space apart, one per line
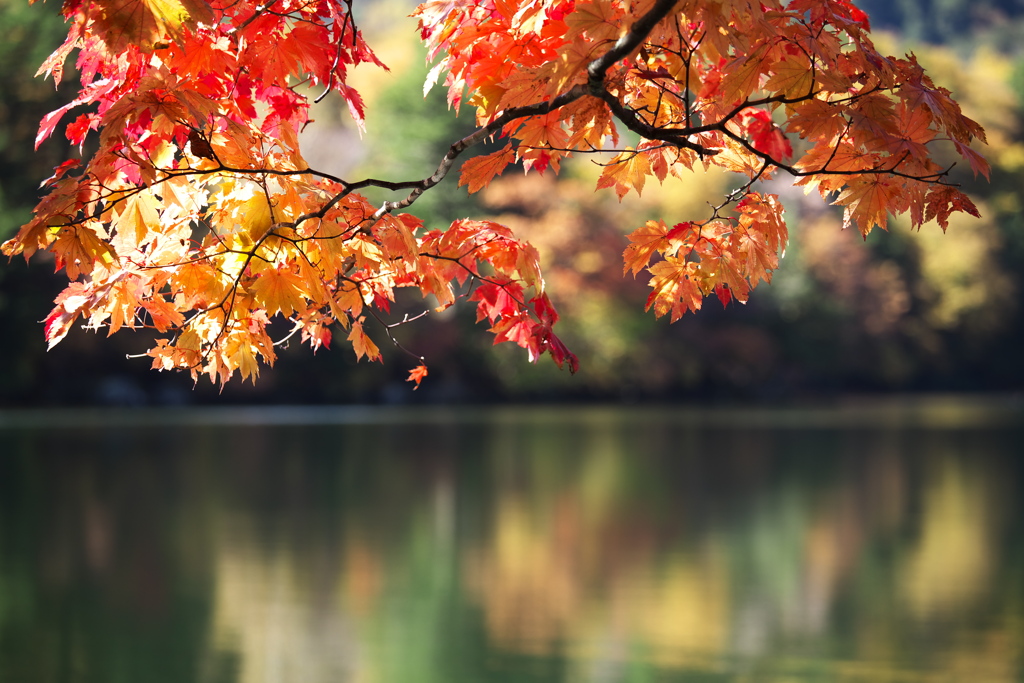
598 19
137 219
123 302
629 169
145 23
279 289
791 77
241 355
256 218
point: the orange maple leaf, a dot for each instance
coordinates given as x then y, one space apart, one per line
361 343
478 172
629 169
79 249
416 375
599 20
279 289
792 77
163 313
675 288
645 241
867 200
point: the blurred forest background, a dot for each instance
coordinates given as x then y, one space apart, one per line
903 312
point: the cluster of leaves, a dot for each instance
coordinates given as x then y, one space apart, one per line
199 218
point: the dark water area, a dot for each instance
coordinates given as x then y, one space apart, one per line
869 542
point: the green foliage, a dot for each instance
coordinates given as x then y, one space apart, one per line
29 35
963 23
409 133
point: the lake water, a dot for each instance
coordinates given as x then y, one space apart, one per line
870 542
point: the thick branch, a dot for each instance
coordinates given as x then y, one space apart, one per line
630 41
623 47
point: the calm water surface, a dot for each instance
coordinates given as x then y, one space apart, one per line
873 543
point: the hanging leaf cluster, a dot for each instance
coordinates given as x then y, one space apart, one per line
198 217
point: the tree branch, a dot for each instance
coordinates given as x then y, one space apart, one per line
632 39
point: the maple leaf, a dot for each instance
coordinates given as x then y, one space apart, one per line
80 249
765 135
497 300
138 217
627 170
361 343
742 76
977 162
943 201
675 288
570 65
791 77
240 354
90 93
163 313
541 140
867 200
645 241
599 20
72 303
145 23
766 213
517 329
416 375
279 290
77 130
817 119
479 171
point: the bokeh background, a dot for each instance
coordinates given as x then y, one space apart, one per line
900 312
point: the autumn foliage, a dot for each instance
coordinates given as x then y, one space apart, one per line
198 217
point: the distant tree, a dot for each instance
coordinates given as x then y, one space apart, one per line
951 21
198 217
25 100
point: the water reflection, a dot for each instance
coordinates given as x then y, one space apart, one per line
595 546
